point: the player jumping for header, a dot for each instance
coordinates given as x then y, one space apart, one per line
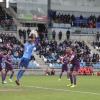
28 48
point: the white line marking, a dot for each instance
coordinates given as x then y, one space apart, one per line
45 88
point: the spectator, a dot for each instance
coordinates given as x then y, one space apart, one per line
60 35
16 54
47 72
99 18
28 31
0 40
54 34
50 24
46 33
20 33
94 58
53 72
68 34
81 17
24 34
73 17
98 35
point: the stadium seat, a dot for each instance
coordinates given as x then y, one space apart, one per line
62 25
84 64
81 64
60 65
54 65
14 58
55 25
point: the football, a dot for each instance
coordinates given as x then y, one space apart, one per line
33 32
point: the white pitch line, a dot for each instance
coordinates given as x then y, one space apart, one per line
45 88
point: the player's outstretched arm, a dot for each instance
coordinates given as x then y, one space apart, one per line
34 34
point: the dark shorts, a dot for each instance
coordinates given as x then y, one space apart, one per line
0 68
64 68
7 68
24 62
74 68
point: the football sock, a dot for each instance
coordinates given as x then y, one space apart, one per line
67 75
11 75
74 77
71 79
3 77
20 74
61 75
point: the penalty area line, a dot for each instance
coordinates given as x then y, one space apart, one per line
56 89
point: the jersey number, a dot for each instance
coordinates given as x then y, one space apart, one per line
27 49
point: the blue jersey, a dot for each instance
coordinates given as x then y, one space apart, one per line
28 48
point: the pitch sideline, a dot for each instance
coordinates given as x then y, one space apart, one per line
55 89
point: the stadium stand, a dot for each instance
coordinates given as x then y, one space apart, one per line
6 20
61 20
51 47
50 51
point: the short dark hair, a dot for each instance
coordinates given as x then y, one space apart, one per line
72 47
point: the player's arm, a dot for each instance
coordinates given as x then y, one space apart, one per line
72 57
7 61
35 43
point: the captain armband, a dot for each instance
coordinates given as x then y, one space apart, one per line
72 56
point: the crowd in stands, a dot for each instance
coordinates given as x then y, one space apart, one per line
9 41
50 50
96 44
6 20
75 21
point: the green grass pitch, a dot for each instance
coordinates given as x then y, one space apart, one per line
49 88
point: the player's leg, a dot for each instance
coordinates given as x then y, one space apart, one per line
61 73
67 73
74 78
75 70
6 71
68 76
3 76
19 75
71 78
19 71
24 63
12 74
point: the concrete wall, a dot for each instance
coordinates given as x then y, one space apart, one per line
13 12
75 8
85 37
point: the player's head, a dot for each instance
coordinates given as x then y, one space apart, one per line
30 41
70 48
2 51
9 51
